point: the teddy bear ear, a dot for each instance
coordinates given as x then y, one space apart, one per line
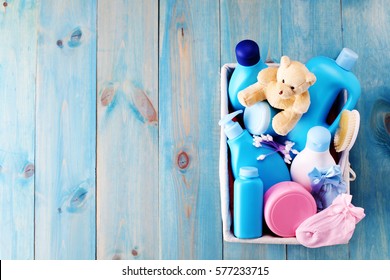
285 61
310 78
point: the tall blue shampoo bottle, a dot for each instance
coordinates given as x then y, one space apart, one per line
272 169
248 204
245 73
333 76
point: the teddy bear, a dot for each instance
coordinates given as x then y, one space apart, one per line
285 88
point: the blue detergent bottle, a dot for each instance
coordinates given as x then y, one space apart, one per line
245 74
272 169
248 204
333 76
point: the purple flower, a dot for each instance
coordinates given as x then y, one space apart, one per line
268 141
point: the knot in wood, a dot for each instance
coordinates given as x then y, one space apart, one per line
60 44
183 160
387 122
134 252
29 170
107 96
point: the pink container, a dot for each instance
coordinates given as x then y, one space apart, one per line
286 206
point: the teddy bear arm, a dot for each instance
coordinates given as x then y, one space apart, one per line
251 95
284 121
302 103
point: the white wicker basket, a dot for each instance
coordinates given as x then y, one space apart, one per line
224 168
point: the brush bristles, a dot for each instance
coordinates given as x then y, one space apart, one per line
345 132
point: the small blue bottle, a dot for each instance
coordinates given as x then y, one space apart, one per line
272 169
248 204
245 74
333 76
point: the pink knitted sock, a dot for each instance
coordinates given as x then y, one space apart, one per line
332 226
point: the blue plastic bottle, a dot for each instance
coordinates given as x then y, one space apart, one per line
245 73
272 169
333 76
248 204
315 155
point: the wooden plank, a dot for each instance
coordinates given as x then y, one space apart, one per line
366 31
66 130
190 219
17 127
312 28
259 21
127 160
255 20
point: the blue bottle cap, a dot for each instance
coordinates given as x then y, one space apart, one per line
347 59
249 172
318 139
247 53
257 118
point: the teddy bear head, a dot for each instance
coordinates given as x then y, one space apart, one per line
293 78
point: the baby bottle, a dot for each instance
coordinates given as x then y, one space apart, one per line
333 77
248 203
245 73
315 154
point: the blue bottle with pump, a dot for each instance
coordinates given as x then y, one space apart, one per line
248 204
272 169
333 76
245 74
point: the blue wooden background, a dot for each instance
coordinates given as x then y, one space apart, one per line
109 140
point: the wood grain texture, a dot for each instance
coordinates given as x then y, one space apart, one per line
148 93
312 28
190 219
366 31
127 166
258 21
66 131
255 20
17 127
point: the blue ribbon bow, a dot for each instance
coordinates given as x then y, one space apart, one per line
326 186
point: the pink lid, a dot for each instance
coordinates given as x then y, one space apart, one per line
286 206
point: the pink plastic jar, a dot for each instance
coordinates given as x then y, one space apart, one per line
286 206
